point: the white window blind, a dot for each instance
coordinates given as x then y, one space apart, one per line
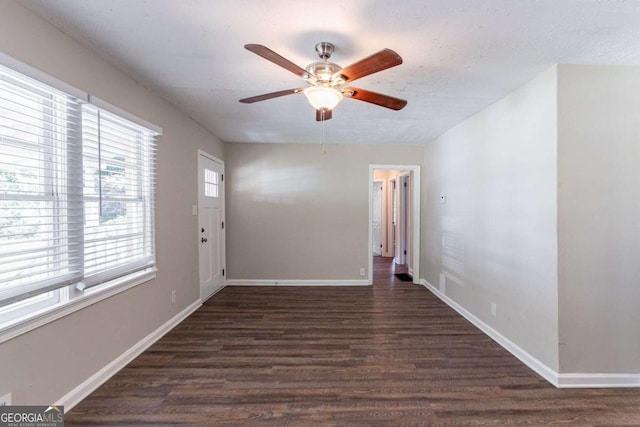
118 165
77 187
40 213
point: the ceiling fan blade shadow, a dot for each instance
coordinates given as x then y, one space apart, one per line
277 59
382 60
322 115
271 95
375 98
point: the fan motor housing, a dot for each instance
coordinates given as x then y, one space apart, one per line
324 73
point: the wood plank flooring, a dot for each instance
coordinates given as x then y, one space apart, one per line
391 354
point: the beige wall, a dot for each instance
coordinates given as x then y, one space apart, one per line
41 366
294 214
599 218
494 240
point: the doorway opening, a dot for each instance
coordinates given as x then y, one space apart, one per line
394 216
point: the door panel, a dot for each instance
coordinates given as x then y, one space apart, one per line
211 223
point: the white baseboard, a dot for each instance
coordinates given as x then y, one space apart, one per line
597 380
540 368
76 395
573 380
253 282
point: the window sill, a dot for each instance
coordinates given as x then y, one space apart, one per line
47 315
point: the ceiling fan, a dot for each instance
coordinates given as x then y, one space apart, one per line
327 82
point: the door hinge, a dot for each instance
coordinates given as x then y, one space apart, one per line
405 252
223 271
405 184
380 245
223 225
221 177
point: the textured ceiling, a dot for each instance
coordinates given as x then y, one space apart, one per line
459 56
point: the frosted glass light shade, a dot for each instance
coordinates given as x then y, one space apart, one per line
323 98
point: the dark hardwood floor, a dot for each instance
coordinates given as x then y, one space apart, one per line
391 354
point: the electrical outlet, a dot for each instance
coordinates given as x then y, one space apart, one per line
362 273
494 309
5 400
173 297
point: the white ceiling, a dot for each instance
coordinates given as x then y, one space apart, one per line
459 56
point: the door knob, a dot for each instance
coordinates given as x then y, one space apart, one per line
202 230
203 240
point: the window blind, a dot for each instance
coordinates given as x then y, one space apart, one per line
77 185
118 167
40 191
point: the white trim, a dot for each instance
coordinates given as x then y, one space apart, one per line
597 380
590 380
104 105
76 395
41 76
209 156
90 297
34 73
416 205
260 282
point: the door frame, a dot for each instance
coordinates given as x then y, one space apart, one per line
223 231
415 209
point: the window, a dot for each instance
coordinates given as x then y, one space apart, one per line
210 183
118 196
76 196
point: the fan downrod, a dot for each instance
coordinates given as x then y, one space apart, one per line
324 49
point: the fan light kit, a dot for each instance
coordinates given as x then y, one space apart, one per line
326 81
321 97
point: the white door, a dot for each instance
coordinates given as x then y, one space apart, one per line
403 219
376 215
394 220
211 224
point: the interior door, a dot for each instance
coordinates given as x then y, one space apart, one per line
376 218
406 218
211 224
403 218
394 220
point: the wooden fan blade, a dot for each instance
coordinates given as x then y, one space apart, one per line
270 55
382 60
375 98
322 115
270 95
